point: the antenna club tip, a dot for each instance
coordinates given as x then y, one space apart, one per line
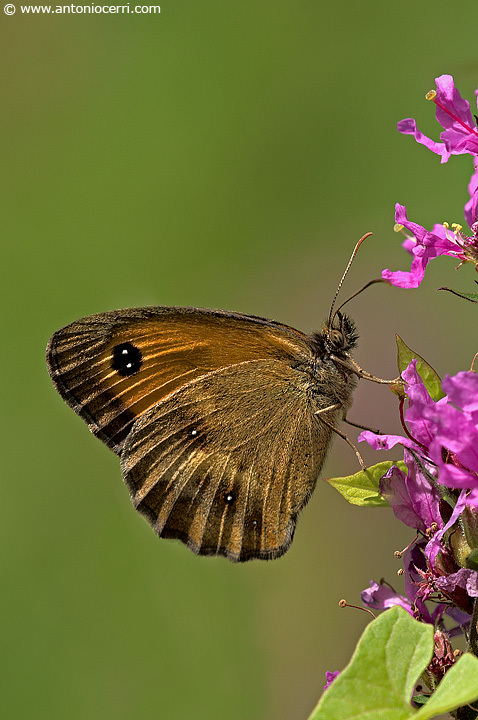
364 237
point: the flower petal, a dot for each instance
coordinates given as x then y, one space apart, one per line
471 207
383 442
462 390
382 597
453 113
409 127
413 499
464 578
330 677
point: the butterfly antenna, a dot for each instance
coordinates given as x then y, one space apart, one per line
352 258
367 285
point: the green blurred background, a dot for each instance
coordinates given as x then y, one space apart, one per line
222 155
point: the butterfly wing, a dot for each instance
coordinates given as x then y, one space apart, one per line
226 463
212 414
113 367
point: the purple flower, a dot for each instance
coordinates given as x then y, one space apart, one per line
330 677
462 391
418 399
434 545
464 578
419 583
420 428
454 428
426 245
382 597
454 448
460 134
413 498
445 436
441 436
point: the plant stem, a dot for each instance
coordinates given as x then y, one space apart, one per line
473 639
466 712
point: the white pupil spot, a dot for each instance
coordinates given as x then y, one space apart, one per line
125 351
229 497
128 365
194 432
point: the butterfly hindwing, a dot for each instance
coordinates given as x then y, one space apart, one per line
226 463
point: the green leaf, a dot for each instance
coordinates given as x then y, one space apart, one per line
430 378
390 657
459 687
363 487
377 683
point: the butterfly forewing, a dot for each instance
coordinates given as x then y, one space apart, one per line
226 464
166 347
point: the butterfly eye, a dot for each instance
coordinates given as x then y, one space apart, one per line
337 338
127 359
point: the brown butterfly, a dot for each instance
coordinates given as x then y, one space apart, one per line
222 421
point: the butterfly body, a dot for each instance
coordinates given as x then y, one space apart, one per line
213 414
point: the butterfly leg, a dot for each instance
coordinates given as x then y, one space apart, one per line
361 427
354 367
345 437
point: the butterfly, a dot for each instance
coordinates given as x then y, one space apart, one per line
222 421
213 415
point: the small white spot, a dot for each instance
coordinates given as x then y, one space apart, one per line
254 522
124 351
129 365
194 433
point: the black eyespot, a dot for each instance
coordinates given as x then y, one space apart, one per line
127 359
229 498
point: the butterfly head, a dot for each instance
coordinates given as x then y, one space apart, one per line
340 335
337 338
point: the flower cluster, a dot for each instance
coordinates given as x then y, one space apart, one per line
460 136
437 496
